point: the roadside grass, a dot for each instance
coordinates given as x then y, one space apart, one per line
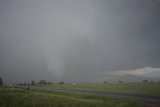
41 98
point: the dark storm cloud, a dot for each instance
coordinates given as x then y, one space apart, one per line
75 40
135 34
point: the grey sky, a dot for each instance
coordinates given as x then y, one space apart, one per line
74 40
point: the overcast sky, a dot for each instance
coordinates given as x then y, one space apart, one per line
73 40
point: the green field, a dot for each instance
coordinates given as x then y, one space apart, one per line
36 98
45 96
145 88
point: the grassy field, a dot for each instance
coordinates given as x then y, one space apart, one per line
36 98
145 88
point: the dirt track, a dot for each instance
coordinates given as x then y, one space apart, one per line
148 99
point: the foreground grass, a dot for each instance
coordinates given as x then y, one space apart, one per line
22 98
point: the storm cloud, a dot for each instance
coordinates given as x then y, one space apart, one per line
74 40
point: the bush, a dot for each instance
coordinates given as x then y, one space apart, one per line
42 82
62 82
32 83
119 81
49 83
1 82
105 82
145 81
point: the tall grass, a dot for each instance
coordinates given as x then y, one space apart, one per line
22 98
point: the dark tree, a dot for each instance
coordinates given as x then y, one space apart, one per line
105 82
62 82
145 81
42 82
32 83
120 82
49 83
24 84
20 84
1 82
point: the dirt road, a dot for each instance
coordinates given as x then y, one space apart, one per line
148 99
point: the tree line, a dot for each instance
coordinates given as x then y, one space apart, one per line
33 83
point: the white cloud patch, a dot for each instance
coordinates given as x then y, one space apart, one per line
140 71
